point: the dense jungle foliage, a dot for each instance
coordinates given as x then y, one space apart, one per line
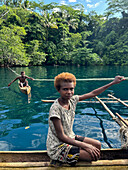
32 33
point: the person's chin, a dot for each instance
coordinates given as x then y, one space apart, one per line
68 97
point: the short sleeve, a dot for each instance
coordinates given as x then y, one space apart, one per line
54 112
75 99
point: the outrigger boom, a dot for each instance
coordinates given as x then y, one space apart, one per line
108 100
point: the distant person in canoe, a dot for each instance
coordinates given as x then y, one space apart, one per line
23 82
63 146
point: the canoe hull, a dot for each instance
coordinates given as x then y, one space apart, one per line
25 90
109 157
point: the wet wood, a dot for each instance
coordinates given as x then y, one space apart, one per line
103 163
20 159
123 120
106 108
25 90
122 102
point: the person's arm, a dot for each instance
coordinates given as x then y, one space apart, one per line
29 78
98 91
13 81
64 138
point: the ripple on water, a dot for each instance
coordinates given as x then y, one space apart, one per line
4 111
106 131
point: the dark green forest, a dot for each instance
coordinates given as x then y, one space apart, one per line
32 33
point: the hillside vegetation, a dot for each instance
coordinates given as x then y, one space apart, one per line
32 33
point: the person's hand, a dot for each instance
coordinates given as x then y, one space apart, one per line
93 151
118 79
9 84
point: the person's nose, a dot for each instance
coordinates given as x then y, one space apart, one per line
69 91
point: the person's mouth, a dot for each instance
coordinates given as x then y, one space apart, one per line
69 96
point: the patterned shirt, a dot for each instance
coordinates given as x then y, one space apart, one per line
67 119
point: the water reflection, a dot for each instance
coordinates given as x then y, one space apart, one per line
103 130
16 113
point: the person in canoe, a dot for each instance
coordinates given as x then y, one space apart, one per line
63 146
23 82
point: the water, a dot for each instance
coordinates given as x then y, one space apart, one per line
24 126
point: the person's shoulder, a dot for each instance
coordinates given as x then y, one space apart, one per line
55 105
75 98
18 77
55 109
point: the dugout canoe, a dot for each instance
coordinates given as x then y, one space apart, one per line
25 90
35 159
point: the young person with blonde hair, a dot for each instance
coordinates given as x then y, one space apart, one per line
62 144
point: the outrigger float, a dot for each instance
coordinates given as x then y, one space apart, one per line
111 99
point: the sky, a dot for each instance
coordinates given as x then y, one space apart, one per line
90 5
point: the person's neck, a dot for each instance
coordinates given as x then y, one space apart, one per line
63 101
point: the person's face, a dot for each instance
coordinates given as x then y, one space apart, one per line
23 74
66 90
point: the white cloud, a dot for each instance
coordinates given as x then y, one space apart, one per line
88 0
89 6
97 4
56 10
72 0
93 5
63 2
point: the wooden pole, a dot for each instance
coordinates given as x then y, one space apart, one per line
118 100
111 114
122 119
106 108
89 101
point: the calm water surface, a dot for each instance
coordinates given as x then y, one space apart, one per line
24 126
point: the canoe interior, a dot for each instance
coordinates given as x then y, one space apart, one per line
41 156
25 90
35 159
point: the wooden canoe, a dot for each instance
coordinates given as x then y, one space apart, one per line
35 159
25 90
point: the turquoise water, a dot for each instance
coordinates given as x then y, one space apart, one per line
24 126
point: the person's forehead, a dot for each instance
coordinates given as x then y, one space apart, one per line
67 84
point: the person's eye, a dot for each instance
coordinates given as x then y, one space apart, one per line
65 89
72 89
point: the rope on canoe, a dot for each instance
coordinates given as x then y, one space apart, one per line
121 122
87 79
124 137
14 71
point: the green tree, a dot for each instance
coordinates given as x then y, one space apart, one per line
11 47
111 38
99 47
117 6
36 57
84 56
48 21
